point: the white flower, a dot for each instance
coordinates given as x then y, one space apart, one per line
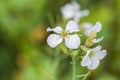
89 29
72 10
93 57
71 40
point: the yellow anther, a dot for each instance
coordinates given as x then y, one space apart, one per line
91 54
64 33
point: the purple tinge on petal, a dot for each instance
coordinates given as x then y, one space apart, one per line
94 64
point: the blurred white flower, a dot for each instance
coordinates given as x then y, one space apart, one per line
72 10
71 40
89 29
93 57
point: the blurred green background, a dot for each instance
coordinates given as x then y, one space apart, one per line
24 53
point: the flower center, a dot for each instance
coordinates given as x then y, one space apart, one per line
91 54
64 33
74 9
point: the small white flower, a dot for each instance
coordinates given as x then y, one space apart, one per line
93 57
72 10
71 40
89 29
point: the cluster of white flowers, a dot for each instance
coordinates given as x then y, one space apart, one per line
72 40
72 11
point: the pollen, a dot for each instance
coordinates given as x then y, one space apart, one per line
64 33
91 54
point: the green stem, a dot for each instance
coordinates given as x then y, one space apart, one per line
78 76
85 77
74 69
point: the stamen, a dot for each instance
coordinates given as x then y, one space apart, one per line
91 54
64 33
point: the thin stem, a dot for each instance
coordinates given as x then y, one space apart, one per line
74 69
78 76
85 77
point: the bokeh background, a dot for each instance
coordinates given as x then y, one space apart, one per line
24 53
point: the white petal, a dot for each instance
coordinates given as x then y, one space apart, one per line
80 14
94 64
96 28
86 60
85 13
72 26
75 5
72 41
57 29
101 54
97 48
97 40
87 26
53 40
67 11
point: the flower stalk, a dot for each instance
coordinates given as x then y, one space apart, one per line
74 55
74 69
86 75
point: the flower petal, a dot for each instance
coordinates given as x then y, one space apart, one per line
75 5
68 11
97 48
53 40
101 54
94 64
72 41
72 26
96 28
86 60
80 14
57 29
86 25
97 40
